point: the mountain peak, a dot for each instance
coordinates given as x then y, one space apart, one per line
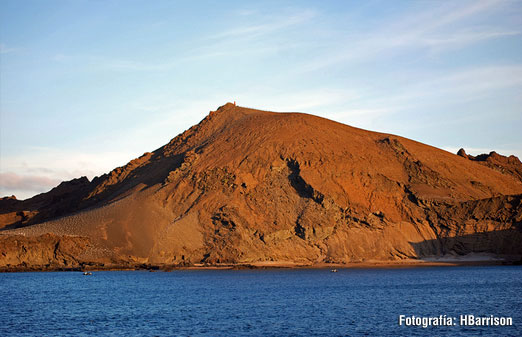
227 107
225 115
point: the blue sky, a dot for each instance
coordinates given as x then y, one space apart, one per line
86 86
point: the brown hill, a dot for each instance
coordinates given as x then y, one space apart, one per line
246 186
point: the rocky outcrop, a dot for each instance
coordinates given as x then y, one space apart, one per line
247 187
507 165
42 252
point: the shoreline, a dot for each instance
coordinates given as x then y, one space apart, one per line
262 266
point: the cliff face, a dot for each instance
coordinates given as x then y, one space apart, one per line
247 186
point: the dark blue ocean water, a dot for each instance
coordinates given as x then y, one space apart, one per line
304 302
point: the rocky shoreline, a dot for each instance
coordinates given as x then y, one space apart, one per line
242 266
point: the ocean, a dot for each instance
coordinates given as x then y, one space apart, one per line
271 302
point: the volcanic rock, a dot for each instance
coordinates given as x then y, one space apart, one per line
509 165
246 186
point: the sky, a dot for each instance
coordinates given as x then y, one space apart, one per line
86 86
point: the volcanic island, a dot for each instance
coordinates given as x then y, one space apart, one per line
247 188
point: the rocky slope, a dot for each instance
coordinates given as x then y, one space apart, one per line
510 165
247 186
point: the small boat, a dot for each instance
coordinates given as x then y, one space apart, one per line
87 273
334 270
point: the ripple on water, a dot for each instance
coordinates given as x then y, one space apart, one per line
257 302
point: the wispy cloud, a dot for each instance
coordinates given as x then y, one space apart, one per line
275 24
480 79
117 64
376 107
246 12
252 39
461 11
360 116
6 50
432 30
420 66
465 37
460 86
130 65
62 164
40 169
13 181
240 40
301 101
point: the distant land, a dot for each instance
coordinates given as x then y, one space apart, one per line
247 187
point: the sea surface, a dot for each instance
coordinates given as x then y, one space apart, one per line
276 302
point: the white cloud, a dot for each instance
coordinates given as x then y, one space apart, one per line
40 169
13 181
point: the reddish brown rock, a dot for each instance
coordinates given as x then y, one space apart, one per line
247 186
46 251
508 165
